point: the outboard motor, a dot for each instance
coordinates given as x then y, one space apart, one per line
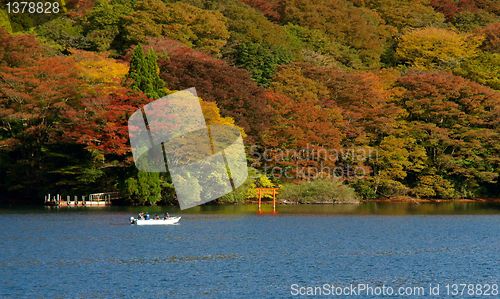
132 220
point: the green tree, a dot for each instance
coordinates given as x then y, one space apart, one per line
255 43
64 33
470 20
144 72
317 48
102 25
390 167
145 188
318 191
260 61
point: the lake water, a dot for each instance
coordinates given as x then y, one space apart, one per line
229 252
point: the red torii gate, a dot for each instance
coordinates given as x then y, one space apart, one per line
263 191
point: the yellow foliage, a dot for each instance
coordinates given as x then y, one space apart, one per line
430 48
99 69
213 117
5 21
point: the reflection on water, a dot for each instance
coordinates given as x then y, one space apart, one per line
367 208
230 252
370 208
373 208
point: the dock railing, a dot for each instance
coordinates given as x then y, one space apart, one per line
94 199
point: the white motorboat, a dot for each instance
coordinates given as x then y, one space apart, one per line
165 221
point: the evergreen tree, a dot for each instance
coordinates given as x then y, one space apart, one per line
136 70
155 84
144 71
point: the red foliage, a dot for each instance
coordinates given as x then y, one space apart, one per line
44 100
78 8
449 101
298 124
366 104
456 120
19 50
492 37
269 8
449 8
37 97
231 88
102 124
301 139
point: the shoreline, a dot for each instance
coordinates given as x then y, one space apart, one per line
424 200
7 204
387 200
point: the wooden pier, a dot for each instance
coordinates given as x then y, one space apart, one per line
91 200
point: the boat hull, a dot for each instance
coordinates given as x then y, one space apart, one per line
168 221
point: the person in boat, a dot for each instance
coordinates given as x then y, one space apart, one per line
147 216
140 216
157 217
166 216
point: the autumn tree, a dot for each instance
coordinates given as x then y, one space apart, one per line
369 110
201 29
435 48
34 100
396 158
239 97
78 8
291 81
455 121
468 14
302 137
56 127
99 69
362 100
19 50
356 27
405 13
491 42
102 123
268 8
